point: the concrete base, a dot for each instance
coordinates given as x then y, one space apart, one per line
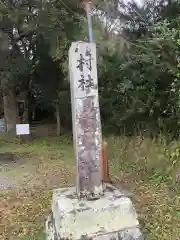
110 217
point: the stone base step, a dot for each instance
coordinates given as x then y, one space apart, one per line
126 234
110 217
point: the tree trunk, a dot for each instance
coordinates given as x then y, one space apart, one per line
10 111
33 113
58 120
27 110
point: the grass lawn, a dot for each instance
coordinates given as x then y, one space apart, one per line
148 168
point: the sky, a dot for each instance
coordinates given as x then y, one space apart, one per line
138 1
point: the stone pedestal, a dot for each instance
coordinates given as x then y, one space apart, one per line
110 217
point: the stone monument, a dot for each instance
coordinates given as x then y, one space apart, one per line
86 119
92 209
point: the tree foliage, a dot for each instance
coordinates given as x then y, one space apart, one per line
136 86
138 58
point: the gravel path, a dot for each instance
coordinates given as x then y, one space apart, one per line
7 182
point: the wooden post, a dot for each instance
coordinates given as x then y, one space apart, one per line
104 163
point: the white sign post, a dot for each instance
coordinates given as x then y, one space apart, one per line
22 129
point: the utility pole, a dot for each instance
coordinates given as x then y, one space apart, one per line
88 7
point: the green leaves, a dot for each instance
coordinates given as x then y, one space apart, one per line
138 83
35 38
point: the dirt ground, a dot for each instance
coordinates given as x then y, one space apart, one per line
29 172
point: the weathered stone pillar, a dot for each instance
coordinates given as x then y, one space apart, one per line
86 118
110 214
